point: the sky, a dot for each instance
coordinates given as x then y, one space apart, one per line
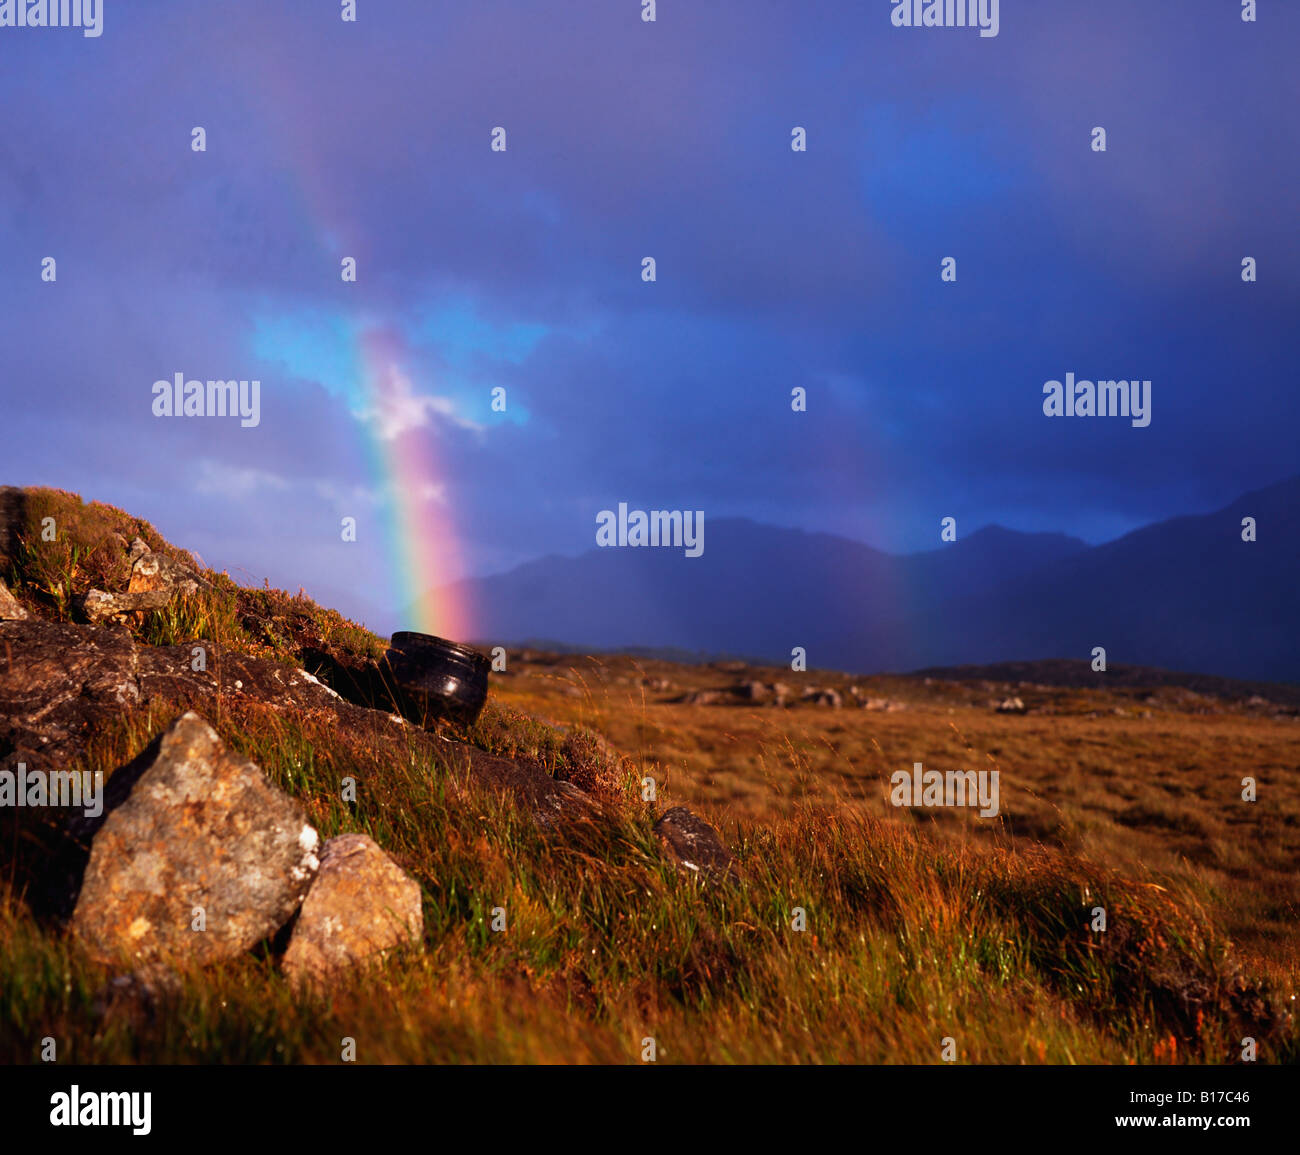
522 270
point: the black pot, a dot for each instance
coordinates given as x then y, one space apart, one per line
436 678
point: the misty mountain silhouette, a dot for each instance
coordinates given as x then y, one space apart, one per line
1184 594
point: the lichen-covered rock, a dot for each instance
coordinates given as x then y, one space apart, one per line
694 843
96 606
204 859
360 905
152 572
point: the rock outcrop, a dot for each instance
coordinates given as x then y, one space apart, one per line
155 580
548 799
59 684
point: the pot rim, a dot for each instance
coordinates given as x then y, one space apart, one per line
433 641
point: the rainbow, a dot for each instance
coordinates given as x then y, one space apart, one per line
419 527
421 538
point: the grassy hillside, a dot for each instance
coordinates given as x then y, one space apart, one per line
916 931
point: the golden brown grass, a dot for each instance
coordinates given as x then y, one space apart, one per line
1155 790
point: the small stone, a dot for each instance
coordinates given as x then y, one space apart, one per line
705 697
695 844
360 905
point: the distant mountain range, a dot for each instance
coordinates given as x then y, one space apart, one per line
1184 594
